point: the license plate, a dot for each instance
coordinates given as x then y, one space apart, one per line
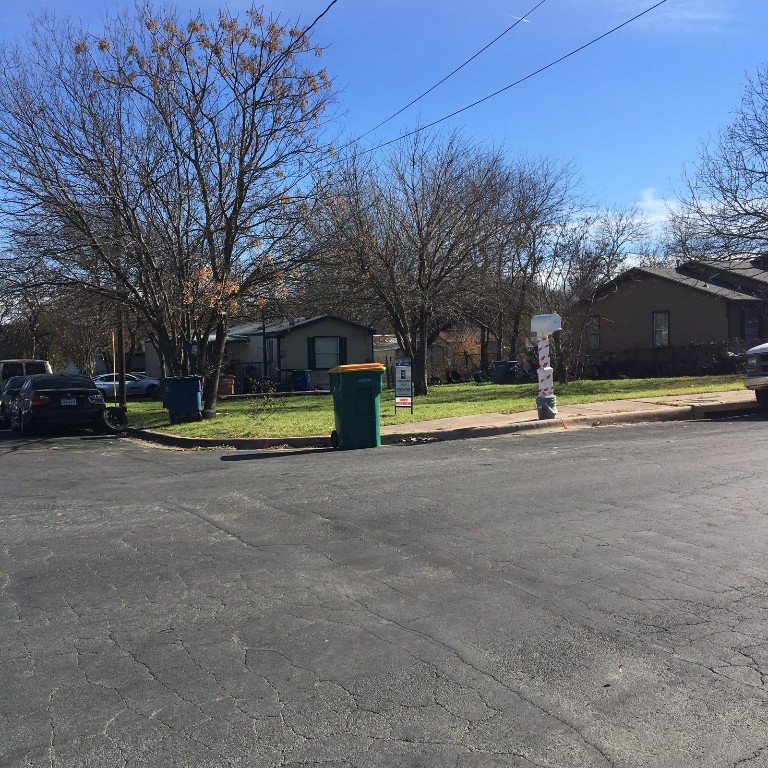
69 401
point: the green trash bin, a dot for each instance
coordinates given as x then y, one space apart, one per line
356 391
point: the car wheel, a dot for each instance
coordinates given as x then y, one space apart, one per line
761 395
153 391
14 427
113 420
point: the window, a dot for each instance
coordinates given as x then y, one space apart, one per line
593 333
751 324
326 352
13 369
661 329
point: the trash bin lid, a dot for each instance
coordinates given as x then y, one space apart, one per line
357 367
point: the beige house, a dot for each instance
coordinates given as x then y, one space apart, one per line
656 321
292 351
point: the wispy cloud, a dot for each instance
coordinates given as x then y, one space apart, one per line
677 15
655 210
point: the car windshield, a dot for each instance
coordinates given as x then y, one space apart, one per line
61 382
36 366
14 383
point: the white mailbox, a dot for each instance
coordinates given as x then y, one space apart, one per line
545 325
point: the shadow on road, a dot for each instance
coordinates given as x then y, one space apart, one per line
274 454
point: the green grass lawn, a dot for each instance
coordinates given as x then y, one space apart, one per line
307 415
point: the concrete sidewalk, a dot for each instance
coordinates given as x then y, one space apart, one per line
605 413
583 415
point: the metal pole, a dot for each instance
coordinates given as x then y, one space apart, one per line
121 357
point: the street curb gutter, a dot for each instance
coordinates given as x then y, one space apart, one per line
675 413
681 412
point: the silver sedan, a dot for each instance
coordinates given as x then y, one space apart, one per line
135 386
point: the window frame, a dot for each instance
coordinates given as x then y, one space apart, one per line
312 353
593 333
659 329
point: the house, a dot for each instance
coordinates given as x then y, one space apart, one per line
386 350
674 320
296 350
275 350
455 350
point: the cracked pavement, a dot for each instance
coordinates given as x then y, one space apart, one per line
595 598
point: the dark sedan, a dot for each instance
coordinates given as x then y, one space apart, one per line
58 401
10 391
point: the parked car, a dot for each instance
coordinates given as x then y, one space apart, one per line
756 377
60 401
135 385
7 396
21 367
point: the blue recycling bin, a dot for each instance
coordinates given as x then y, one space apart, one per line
504 371
184 398
302 381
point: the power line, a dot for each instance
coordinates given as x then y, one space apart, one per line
328 8
520 19
518 82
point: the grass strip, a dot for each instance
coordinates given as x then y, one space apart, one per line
307 415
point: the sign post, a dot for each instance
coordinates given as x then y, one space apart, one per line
403 384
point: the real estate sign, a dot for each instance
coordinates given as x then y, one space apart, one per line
403 384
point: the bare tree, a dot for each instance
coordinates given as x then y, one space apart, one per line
161 165
406 233
725 210
537 200
590 250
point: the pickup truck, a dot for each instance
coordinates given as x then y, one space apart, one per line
756 377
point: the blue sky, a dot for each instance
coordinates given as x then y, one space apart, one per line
629 111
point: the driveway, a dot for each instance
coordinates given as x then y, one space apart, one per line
595 598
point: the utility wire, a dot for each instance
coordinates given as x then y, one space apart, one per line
517 82
451 74
328 8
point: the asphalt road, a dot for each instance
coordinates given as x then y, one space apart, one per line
590 598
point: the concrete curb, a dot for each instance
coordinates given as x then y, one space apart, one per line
680 412
674 413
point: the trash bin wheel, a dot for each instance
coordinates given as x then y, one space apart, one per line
334 439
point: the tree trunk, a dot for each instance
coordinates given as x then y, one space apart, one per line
419 371
500 336
211 382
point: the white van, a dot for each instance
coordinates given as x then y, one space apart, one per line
756 376
10 368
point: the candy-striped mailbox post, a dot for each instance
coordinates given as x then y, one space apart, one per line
544 326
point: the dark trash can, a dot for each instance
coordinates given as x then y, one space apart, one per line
504 371
356 391
302 381
184 398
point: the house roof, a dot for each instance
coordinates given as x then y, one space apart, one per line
385 343
737 272
244 332
689 281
